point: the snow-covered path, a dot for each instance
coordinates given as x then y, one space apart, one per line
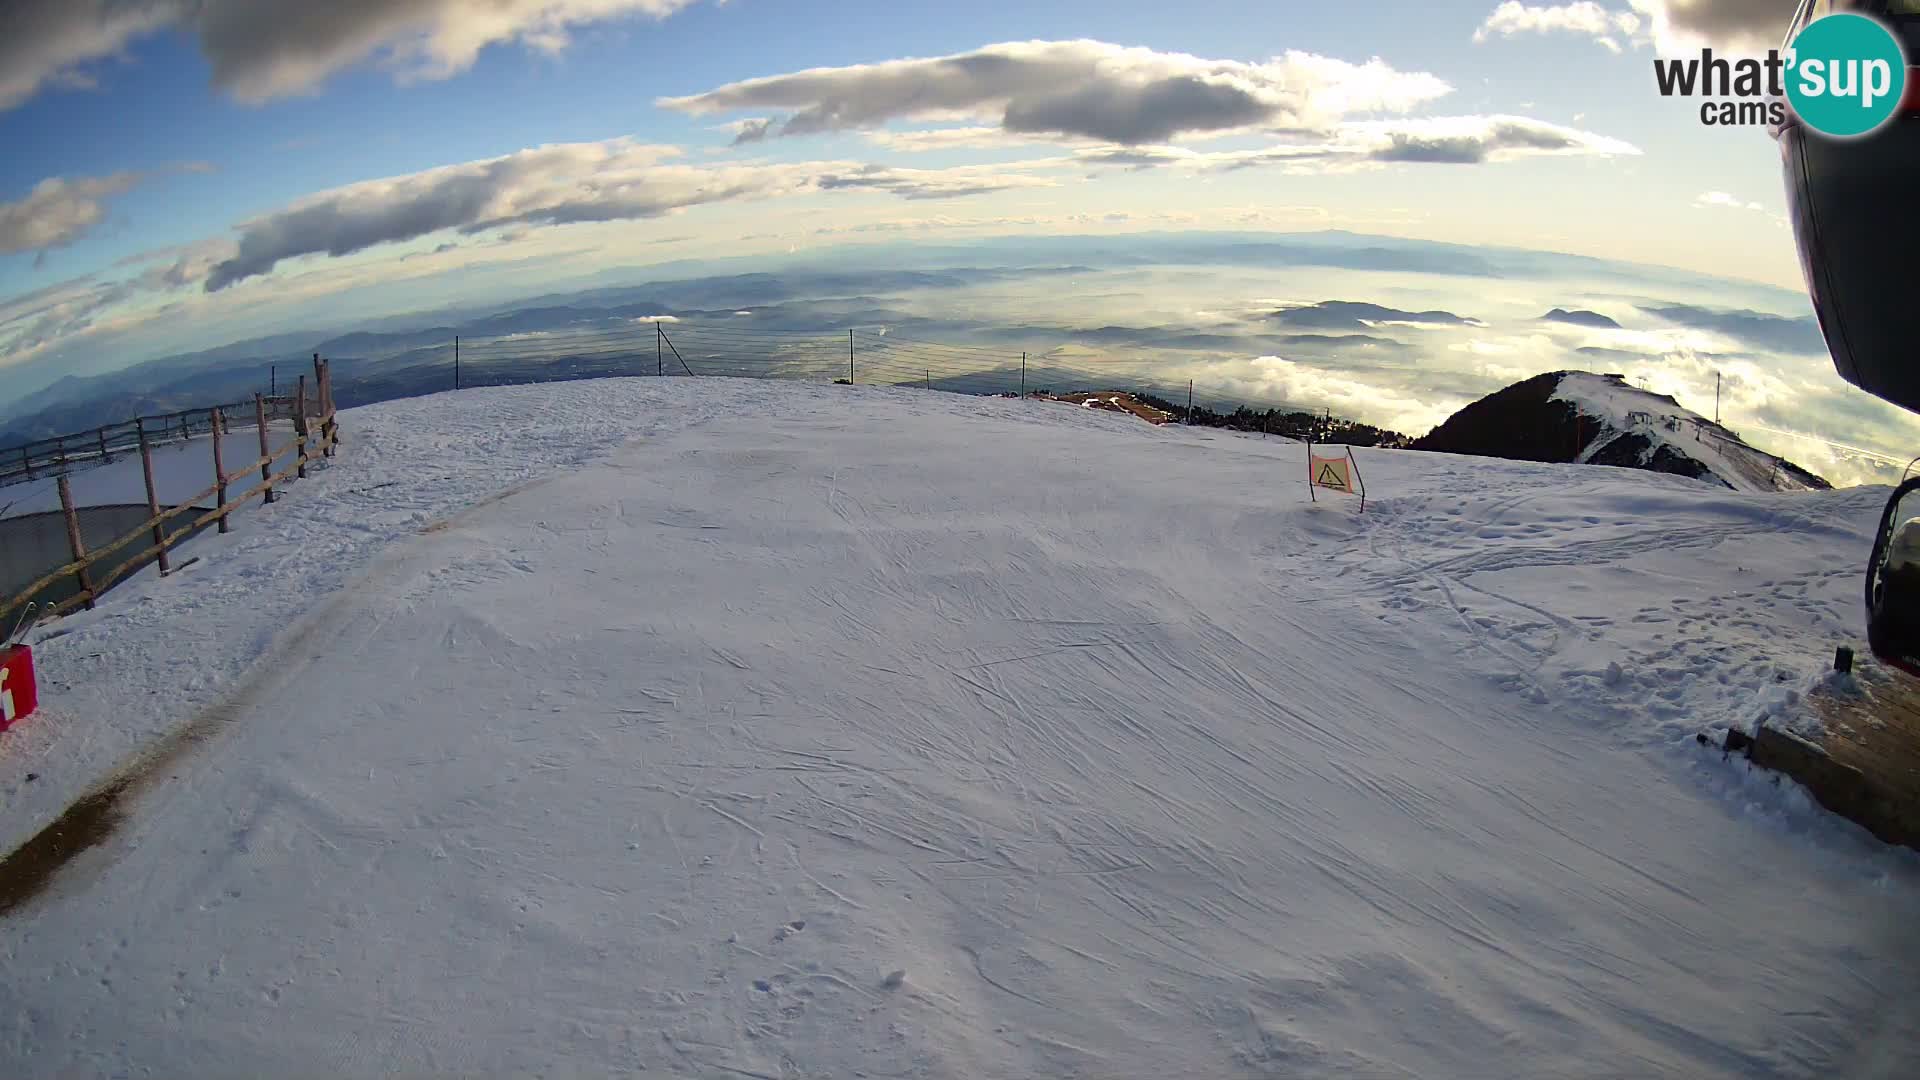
1133 761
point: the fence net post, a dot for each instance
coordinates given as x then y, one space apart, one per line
1311 494
331 426
266 452
219 470
74 543
320 399
300 425
153 504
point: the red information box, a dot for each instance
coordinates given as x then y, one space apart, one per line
18 694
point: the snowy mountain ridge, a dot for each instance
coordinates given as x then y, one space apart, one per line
1579 417
1646 427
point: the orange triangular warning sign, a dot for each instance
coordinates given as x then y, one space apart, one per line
1331 473
1335 474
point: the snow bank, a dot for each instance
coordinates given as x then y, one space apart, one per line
750 729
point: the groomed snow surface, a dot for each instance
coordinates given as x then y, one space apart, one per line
720 728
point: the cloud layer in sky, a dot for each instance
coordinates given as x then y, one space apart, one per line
1722 22
42 41
1093 103
263 49
1584 17
1083 89
58 211
1440 140
1669 25
563 184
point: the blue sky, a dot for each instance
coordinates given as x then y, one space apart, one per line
144 163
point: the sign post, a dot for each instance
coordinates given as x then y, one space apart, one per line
19 696
1335 474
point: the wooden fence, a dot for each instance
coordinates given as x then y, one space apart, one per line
62 453
315 434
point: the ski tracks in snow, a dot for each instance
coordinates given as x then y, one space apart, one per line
790 746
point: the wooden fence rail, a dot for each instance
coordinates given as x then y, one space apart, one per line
305 445
60 453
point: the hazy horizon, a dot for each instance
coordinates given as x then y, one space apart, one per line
1265 318
184 176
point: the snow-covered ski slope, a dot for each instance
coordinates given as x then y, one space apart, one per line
728 728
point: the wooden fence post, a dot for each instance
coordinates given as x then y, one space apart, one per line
74 544
103 445
330 427
26 461
153 503
266 466
300 424
219 469
333 413
320 398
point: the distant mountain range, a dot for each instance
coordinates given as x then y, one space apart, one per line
411 358
788 316
1580 318
1358 315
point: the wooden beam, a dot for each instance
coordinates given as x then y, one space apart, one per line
300 424
75 544
219 469
153 501
266 473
